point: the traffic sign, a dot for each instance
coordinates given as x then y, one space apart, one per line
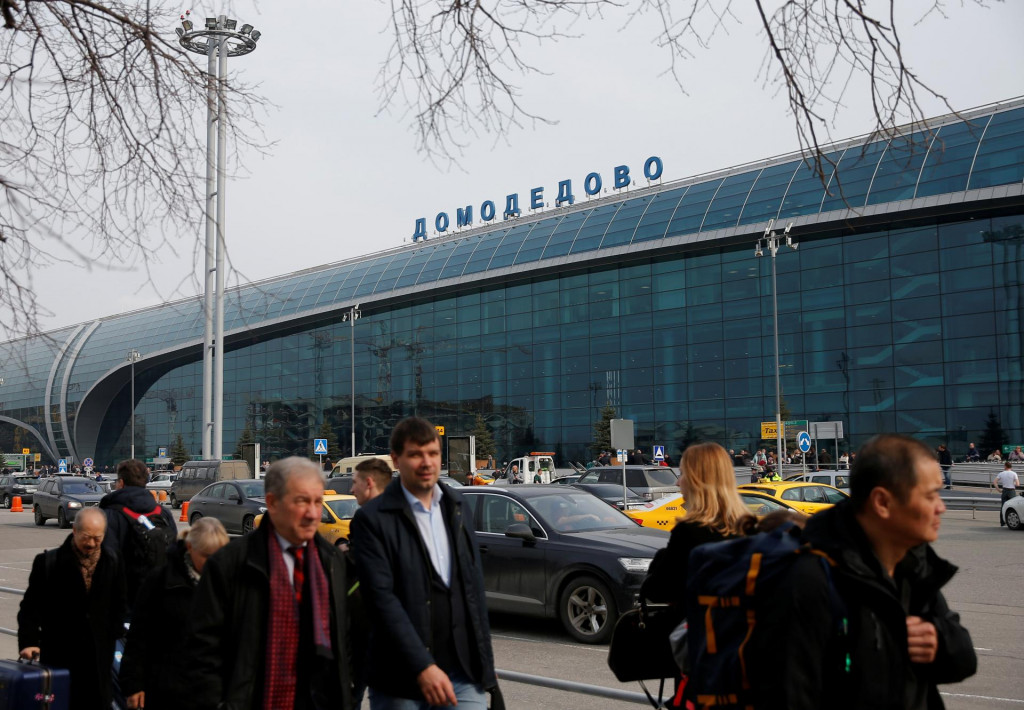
62 465
319 446
161 452
803 440
87 462
769 430
440 430
659 453
26 452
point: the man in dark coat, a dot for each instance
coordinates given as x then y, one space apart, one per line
270 615
122 506
902 638
422 584
74 609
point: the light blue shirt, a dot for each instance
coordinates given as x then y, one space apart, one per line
430 523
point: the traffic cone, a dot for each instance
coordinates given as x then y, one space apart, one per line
184 513
156 496
162 498
16 505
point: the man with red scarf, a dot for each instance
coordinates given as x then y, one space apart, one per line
269 617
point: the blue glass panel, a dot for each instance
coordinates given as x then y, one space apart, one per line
390 276
766 195
898 169
1000 158
372 275
654 223
621 229
592 232
690 212
563 236
807 190
355 275
484 251
533 245
949 160
412 269
725 210
506 252
432 269
853 177
460 257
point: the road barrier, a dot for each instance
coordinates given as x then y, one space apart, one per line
569 686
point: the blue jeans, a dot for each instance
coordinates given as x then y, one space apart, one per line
469 695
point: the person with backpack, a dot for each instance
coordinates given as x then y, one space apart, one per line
139 530
857 618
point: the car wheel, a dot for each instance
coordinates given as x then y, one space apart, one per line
40 520
62 519
6 502
1012 519
174 502
247 524
194 517
587 610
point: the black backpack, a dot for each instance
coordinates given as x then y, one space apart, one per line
731 584
146 544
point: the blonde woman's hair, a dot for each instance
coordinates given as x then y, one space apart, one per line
712 499
206 536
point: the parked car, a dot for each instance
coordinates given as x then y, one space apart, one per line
836 479
566 480
651 482
1013 513
335 517
661 514
196 475
161 482
612 494
12 485
556 552
234 503
62 497
808 498
449 481
761 504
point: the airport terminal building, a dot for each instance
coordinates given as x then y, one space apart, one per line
902 310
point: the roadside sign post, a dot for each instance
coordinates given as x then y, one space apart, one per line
803 440
622 438
659 453
320 448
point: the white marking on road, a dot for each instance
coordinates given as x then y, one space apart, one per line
976 648
982 697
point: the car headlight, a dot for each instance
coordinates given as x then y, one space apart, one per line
262 509
635 564
74 504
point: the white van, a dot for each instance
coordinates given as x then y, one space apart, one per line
346 466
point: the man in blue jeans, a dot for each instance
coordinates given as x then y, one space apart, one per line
422 586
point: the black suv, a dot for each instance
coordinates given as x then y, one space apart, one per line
62 497
12 485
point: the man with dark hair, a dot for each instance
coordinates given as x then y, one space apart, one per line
370 479
270 615
871 629
422 584
946 462
139 529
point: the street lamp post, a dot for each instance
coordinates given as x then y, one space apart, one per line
133 357
218 40
351 316
772 242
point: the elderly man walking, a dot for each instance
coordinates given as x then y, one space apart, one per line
74 608
269 617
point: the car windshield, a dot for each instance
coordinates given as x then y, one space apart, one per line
344 508
660 476
252 489
578 512
82 487
25 480
761 506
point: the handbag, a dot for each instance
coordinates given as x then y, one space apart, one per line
640 648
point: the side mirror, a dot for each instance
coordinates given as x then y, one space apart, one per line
521 531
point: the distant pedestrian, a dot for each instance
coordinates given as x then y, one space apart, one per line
946 463
1016 456
1007 482
155 662
74 609
370 479
973 455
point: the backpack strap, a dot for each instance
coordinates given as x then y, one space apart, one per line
135 516
50 561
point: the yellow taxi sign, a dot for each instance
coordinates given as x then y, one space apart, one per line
440 430
38 458
26 451
769 430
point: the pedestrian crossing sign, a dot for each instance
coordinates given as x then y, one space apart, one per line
319 446
659 453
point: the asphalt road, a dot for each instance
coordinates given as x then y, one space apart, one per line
988 592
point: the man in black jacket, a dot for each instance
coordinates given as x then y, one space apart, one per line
421 581
892 639
269 622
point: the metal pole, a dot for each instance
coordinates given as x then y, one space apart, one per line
131 407
774 246
352 368
211 247
218 335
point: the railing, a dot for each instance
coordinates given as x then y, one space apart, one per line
629 696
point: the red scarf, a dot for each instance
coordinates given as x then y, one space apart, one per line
282 649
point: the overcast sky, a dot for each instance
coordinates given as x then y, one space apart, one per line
343 180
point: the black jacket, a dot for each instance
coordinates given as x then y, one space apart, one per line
395 578
228 630
669 570
808 667
119 525
155 661
75 629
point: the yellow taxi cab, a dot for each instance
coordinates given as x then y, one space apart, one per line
335 517
760 504
662 513
808 498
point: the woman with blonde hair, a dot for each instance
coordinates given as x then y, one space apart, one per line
714 512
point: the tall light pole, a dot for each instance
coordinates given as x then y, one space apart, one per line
351 316
218 40
772 242
133 357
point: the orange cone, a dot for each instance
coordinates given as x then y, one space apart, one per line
163 496
156 497
184 513
16 505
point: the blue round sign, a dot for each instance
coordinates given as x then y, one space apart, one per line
803 440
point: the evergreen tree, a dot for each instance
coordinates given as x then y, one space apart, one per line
246 438
603 430
333 447
484 439
994 436
179 454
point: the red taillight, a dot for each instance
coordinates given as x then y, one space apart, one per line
637 521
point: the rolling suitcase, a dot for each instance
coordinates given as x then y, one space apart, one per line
29 684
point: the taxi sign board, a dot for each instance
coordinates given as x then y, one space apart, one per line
26 452
440 430
769 430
